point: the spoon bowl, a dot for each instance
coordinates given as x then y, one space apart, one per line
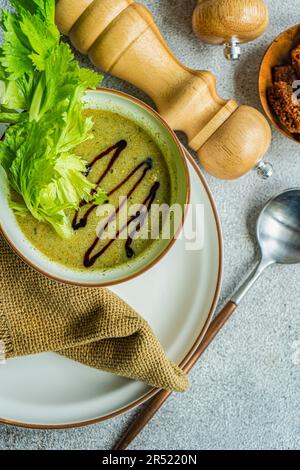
278 237
278 228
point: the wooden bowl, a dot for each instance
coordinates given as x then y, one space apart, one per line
278 53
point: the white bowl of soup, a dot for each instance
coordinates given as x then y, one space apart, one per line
138 161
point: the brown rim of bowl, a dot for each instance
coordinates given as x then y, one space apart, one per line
185 361
263 95
172 241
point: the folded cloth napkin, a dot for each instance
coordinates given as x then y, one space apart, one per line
89 325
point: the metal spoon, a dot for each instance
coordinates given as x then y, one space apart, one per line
278 236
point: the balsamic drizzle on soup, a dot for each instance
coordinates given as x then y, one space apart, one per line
146 165
90 259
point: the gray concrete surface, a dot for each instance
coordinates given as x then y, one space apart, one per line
245 392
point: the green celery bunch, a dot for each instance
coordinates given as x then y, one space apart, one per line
40 76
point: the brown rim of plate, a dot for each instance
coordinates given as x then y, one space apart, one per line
185 361
262 91
166 249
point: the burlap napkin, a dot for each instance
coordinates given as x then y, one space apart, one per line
89 325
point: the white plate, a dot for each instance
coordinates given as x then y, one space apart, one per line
177 297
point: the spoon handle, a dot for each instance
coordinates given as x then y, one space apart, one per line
155 403
251 279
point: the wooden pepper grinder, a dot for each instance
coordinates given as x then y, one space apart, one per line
121 37
230 22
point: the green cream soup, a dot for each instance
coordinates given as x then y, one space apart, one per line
134 167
